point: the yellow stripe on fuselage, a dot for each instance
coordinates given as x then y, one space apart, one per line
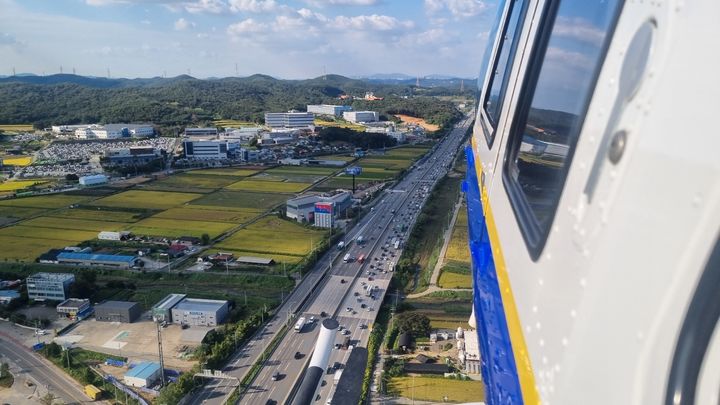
517 339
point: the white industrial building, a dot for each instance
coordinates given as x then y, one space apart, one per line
361 116
93 180
209 149
205 132
49 286
290 119
328 109
303 208
199 312
111 131
469 352
398 136
112 235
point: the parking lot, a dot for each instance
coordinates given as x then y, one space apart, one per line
137 341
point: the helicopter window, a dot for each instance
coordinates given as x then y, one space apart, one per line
498 81
564 67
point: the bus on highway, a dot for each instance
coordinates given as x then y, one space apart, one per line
397 244
300 324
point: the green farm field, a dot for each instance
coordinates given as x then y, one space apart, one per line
454 278
274 235
200 214
437 390
146 199
458 249
98 215
224 172
70 235
172 228
27 249
183 182
74 224
236 199
19 212
268 186
45 201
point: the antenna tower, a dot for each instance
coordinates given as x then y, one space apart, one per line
61 69
13 70
160 354
417 82
462 85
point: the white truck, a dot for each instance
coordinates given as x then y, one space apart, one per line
346 258
338 374
300 324
360 240
341 245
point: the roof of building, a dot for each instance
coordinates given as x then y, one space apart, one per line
472 348
50 255
195 304
116 305
421 358
96 257
94 176
143 370
304 199
405 339
73 303
169 302
53 276
430 368
254 260
9 294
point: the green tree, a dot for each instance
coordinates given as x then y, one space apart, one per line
414 323
4 370
205 239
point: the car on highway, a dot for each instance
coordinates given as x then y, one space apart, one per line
348 309
298 355
275 376
346 332
356 293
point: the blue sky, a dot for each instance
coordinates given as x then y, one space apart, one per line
284 38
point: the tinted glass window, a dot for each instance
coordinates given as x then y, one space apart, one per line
498 79
561 80
488 48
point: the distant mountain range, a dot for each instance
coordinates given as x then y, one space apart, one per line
103 82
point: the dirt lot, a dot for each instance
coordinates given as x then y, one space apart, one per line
137 341
418 121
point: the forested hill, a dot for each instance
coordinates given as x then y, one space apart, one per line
176 102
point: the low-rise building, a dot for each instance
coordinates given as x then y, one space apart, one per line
71 307
113 235
290 119
118 311
304 208
144 374
203 132
200 312
361 116
161 312
6 296
328 109
470 356
93 180
133 154
207 149
98 260
49 286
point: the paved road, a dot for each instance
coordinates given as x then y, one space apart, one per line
342 294
42 372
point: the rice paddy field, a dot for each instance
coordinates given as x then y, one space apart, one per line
18 185
437 390
16 127
268 186
458 250
445 309
274 236
193 203
146 199
16 160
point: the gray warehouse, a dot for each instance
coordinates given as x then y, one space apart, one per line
118 311
198 312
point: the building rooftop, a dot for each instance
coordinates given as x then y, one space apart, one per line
143 370
169 302
72 303
304 199
472 348
53 276
116 305
254 260
96 257
9 293
194 304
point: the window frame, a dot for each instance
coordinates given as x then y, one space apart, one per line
489 127
534 235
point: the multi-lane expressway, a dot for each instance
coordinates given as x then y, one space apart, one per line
343 294
41 372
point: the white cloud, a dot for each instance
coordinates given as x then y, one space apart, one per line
458 8
145 22
253 6
205 6
248 26
183 24
579 29
322 3
370 23
202 35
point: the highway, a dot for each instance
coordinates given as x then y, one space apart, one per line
44 373
343 294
